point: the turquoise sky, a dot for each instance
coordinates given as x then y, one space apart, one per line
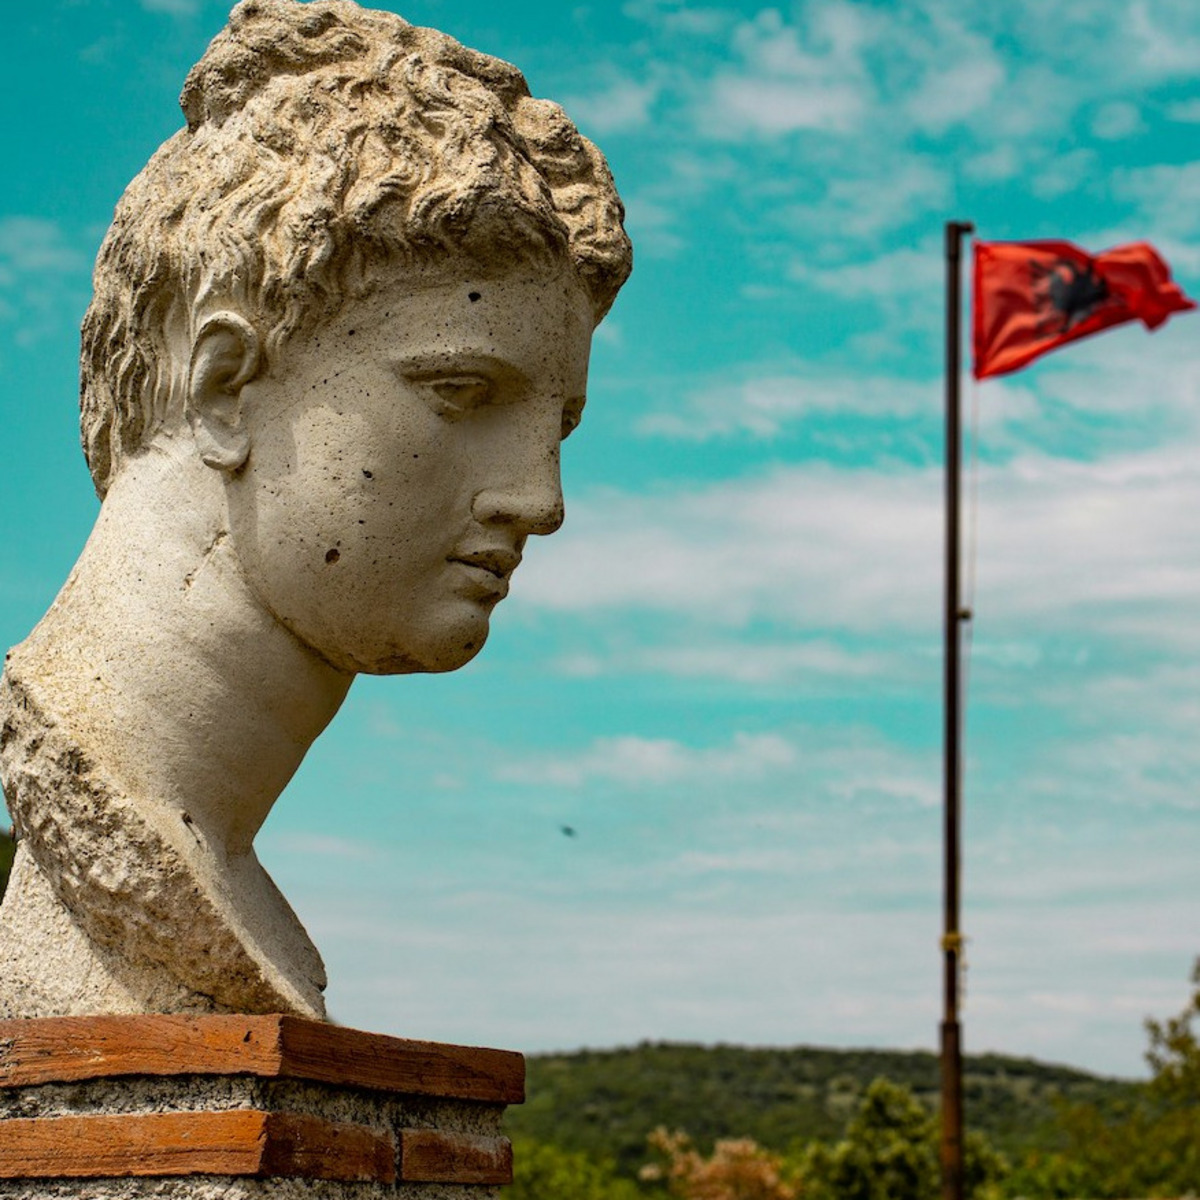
724 673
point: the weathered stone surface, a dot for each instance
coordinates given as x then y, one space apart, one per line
220 1093
341 323
122 901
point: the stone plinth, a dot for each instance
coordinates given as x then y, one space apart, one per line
226 1107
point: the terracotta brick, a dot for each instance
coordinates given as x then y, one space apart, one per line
64 1049
242 1143
431 1156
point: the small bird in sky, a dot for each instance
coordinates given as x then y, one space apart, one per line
568 830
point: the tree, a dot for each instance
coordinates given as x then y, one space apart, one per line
1174 1053
890 1152
737 1169
544 1172
1149 1146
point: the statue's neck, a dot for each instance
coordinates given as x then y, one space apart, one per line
167 669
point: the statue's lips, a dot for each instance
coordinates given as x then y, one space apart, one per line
490 568
499 561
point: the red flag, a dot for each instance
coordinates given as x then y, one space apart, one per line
1032 297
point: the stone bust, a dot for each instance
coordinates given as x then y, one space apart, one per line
340 325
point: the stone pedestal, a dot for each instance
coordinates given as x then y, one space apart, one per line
233 1107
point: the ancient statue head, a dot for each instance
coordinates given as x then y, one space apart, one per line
328 148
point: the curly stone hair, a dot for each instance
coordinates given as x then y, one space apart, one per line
324 144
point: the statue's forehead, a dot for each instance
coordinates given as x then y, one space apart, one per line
462 291
528 317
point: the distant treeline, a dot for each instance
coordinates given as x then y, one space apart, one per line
604 1102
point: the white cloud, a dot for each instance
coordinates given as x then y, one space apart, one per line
1143 377
897 274
832 42
859 550
1116 120
43 277
703 22
886 75
31 245
818 102
679 16
175 8
1008 655
321 845
618 105
1035 105
1133 758
955 92
751 663
777 978
1186 112
1044 977
799 662
994 164
1063 174
857 207
793 80
1163 37
1167 196
810 547
1067 537
762 407
1068 986
777 106
653 226
639 762
759 861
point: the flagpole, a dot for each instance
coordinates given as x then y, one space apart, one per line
951 1044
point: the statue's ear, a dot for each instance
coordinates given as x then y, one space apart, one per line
225 357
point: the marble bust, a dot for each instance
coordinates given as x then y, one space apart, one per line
340 325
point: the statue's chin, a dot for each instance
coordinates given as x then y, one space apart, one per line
444 641
430 660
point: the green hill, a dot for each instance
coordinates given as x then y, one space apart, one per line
604 1103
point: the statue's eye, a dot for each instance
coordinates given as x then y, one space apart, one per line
455 396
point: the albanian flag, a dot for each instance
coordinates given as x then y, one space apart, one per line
1032 297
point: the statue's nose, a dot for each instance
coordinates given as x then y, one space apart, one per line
527 496
521 484
532 510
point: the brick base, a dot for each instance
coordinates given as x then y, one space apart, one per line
226 1107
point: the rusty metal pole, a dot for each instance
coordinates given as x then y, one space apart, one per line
951 1044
